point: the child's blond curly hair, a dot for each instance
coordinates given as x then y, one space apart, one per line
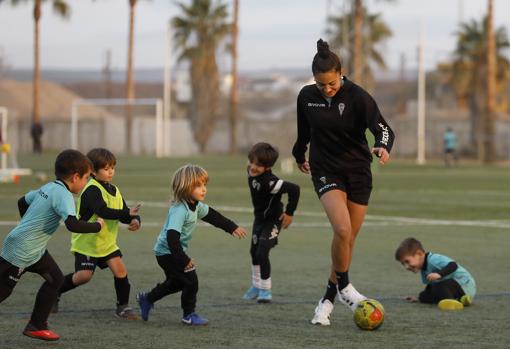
187 178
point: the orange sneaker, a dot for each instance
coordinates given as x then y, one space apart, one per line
45 335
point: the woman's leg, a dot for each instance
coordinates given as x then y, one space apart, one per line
357 214
335 206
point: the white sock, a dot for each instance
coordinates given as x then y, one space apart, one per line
265 284
255 276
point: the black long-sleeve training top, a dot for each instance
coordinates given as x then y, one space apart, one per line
266 194
336 129
92 202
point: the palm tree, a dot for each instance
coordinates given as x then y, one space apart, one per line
468 76
357 44
375 31
233 87
489 149
61 8
198 33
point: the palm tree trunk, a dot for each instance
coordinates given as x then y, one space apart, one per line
130 86
357 61
233 87
489 146
36 129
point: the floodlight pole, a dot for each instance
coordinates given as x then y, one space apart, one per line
159 129
74 124
420 159
167 91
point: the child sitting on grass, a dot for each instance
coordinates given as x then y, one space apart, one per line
449 285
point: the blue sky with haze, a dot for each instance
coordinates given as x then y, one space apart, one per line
273 33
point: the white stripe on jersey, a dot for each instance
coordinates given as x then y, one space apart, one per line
277 187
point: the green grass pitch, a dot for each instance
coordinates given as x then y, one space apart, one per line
462 212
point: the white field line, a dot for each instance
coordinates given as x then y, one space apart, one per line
371 220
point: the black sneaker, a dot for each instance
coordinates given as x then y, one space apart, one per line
126 312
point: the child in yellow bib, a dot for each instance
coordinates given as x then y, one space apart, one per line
100 198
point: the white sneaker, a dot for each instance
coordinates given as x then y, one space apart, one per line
322 313
350 297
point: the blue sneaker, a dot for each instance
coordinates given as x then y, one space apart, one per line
264 296
194 319
145 305
252 293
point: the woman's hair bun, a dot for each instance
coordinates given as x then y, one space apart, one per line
323 48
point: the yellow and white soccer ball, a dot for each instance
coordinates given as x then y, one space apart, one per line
369 315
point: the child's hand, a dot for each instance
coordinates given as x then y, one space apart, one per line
410 299
134 225
191 266
433 277
286 220
239 233
100 221
133 211
304 167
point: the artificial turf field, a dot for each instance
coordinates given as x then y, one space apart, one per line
462 212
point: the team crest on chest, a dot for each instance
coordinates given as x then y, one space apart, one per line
341 108
255 185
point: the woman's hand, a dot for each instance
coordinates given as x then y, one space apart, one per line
382 154
304 167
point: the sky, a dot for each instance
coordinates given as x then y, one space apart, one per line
273 33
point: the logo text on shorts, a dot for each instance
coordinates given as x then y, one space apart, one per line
327 186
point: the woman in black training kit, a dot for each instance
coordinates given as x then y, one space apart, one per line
333 115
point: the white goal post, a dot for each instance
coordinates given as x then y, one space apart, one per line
162 125
3 136
14 170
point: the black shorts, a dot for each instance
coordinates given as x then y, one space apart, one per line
84 262
266 231
357 184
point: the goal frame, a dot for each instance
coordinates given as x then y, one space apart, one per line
162 128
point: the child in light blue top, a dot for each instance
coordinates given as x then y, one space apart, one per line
189 188
445 279
24 248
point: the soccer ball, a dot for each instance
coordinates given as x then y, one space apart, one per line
369 315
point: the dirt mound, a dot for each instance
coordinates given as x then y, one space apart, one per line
55 101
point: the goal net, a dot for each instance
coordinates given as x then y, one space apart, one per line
134 126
